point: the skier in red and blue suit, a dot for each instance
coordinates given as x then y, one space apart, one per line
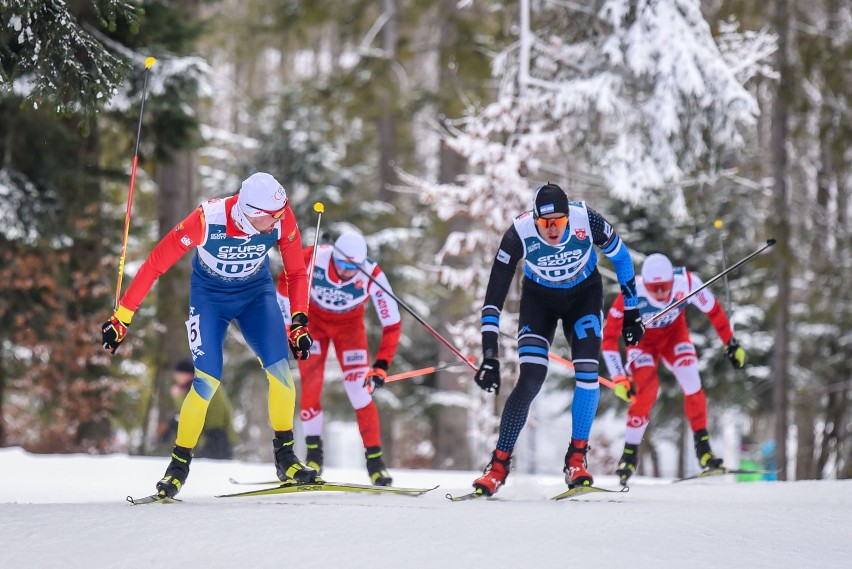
231 281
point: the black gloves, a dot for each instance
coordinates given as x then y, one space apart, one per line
735 353
113 331
299 338
632 329
488 375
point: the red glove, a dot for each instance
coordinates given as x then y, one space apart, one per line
299 337
376 376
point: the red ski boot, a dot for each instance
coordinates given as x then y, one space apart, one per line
575 465
495 473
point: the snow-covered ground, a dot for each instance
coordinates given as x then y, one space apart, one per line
70 512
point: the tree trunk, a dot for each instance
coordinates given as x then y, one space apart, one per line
806 417
451 423
176 198
387 121
830 444
2 397
780 136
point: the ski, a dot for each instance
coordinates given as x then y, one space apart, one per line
255 482
721 471
571 492
152 499
464 497
289 488
579 490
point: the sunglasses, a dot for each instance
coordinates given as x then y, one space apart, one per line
658 288
276 214
345 266
559 222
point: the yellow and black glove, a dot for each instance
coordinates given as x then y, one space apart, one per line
736 353
625 388
114 330
299 337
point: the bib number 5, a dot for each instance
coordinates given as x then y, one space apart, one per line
193 331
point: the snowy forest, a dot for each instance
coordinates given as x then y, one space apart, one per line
699 129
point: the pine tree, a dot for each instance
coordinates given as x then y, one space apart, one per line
55 53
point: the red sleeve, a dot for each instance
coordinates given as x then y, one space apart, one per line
387 309
186 235
720 322
293 280
283 289
390 340
612 328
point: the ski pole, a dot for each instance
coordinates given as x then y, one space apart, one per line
319 208
410 311
682 301
149 62
718 224
421 371
569 364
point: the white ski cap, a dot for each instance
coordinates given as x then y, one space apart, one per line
657 269
350 248
261 194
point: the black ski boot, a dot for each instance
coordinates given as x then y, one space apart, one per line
376 467
627 465
288 467
705 455
315 454
176 473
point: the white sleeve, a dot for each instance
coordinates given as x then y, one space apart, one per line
386 307
704 300
614 365
284 304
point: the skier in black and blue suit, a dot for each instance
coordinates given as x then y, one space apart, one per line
561 282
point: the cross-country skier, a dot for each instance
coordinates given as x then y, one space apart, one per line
339 292
230 280
667 340
561 282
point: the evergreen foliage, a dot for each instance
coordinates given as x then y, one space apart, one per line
418 124
54 55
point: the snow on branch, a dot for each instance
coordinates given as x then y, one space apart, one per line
640 96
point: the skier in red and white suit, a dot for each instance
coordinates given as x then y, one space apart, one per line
338 296
666 339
